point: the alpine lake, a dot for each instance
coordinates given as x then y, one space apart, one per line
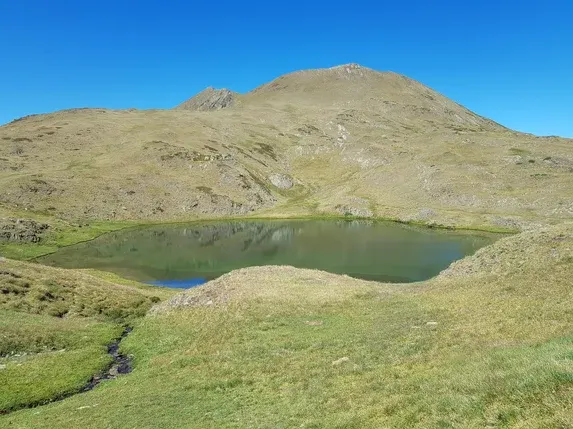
187 255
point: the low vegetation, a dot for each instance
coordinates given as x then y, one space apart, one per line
38 289
44 357
55 327
485 344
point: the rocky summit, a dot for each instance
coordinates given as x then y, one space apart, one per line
210 99
346 139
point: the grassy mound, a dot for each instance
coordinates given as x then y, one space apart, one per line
38 289
488 343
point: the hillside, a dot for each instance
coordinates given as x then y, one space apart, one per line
344 140
487 343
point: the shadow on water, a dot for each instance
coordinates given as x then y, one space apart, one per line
184 256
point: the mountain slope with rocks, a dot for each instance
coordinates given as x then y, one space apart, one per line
344 140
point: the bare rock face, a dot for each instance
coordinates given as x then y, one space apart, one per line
22 230
281 181
354 206
210 99
345 210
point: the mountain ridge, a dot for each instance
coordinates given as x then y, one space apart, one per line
346 139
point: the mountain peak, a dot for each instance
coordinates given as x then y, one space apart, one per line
349 66
352 86
210 99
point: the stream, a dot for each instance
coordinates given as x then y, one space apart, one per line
120 365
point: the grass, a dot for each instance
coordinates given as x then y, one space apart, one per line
488 343
37 289
43 357
153 292
55 326
62 234
38 333
518 151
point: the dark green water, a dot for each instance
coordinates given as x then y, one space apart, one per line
184 255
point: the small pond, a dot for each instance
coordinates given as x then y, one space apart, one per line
188 255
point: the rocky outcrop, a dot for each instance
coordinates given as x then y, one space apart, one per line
210 99
22 230
355 206
281 181
354 211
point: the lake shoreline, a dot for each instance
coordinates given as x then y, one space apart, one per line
366 249
66 236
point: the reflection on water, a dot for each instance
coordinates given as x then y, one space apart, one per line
182 256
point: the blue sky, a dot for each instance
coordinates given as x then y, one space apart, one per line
508 60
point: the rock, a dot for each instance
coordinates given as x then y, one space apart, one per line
354 211
210 99
340 361
514 223
425 214
281 181
558 162
22 230
206 202
506 222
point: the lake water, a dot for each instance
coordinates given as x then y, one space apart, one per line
188 255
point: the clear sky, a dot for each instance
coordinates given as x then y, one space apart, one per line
509 60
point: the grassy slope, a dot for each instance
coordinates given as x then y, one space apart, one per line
60 234
55 326
391 146
38 289
488 343
44 356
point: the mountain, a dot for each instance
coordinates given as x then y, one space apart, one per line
352 86
343 140
210 99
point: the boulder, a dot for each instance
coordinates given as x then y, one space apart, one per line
281 181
